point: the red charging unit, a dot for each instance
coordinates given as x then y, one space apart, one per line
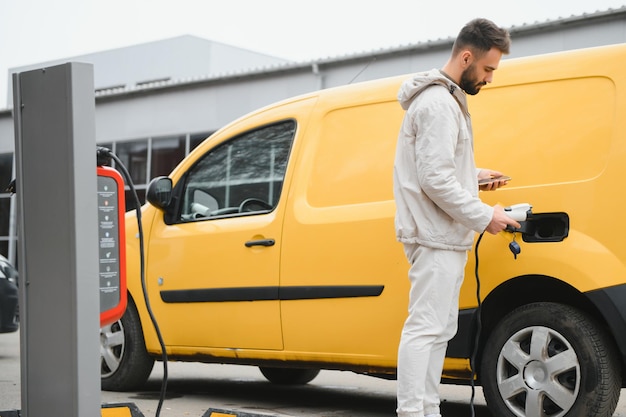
111 245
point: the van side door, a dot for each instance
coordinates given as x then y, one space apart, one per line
343 274
215 255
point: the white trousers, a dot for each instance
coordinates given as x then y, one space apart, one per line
436 276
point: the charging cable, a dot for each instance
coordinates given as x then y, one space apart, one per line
478 328
105 153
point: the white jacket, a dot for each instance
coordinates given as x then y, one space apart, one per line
435 176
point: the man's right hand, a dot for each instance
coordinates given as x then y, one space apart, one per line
500 221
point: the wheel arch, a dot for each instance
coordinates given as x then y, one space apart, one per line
528 289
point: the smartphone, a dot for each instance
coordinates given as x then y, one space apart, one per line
494 179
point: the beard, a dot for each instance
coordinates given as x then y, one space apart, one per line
469 83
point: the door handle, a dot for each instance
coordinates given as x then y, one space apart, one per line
260 242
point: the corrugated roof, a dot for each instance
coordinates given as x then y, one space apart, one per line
525 28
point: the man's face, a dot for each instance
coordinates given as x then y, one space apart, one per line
480 71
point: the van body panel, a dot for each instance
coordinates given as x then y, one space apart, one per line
199 246
543 138
340 216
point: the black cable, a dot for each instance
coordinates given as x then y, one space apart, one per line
105 152
478 328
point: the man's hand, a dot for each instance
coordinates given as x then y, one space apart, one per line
500 221
485 174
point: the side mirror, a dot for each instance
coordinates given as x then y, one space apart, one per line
159 192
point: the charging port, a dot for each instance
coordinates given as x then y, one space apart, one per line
545 227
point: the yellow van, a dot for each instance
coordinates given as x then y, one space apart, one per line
273 244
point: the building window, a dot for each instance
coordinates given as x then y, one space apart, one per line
134 156
166 154
197 138
6 170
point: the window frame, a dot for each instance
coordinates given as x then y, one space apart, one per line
175 214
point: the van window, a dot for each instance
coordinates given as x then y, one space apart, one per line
241 176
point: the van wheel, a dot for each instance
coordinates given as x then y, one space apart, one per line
289 376
547 359
124 362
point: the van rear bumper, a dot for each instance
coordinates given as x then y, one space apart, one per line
611 303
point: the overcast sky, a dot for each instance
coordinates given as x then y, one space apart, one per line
33 31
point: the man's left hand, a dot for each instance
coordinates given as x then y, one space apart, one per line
494 182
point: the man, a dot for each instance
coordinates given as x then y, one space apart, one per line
438 209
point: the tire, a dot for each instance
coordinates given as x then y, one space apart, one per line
289 376
570 369
124 362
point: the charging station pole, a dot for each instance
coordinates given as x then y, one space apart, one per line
55 148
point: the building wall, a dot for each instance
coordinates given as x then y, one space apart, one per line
152 126
198 107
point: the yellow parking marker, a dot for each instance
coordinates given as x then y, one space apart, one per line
107 410
120 410
116 412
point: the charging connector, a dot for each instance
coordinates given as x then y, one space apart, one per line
520 213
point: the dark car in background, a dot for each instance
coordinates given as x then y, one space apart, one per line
9 312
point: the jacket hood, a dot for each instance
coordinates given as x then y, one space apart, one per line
412 87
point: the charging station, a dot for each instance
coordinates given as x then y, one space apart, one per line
111 245
55 128
66 230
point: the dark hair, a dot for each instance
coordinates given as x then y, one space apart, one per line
480 35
